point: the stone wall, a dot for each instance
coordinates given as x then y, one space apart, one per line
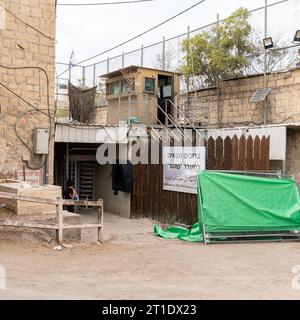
293 153
30 208
101 116
22 45
236 108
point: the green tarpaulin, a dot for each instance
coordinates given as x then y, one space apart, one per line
190 235
237 203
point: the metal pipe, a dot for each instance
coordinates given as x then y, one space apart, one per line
168 129
188 77
218 80
168 116
123 60
265 64
107 64
142 55
186 119
164 54
83 76
94 75
202 217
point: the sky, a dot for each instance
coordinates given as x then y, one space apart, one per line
90 30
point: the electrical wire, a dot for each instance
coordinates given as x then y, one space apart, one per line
48 87
40 110
138 36
25 101
103 3
29 25
43 158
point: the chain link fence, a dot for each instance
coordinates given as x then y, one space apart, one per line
168 54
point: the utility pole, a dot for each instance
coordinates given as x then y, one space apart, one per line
265 64
164 54
218 80
188 78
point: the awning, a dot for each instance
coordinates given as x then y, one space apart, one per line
74 133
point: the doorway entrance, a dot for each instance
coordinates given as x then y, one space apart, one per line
165 96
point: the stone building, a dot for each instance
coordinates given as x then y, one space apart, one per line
237 111
27 39
235 106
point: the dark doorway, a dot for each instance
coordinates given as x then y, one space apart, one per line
165 94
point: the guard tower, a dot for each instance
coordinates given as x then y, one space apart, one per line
142 95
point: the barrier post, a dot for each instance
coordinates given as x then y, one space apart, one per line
59 213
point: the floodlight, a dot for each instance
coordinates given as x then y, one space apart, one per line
297 36
268 43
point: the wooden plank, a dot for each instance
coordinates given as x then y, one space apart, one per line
250 165
242 153
82 226
227 153
219 154
12 196
82 203
100 221
22 224
60 221
235 153
268 146
211 157
145 199
33 225
257 154
133 202
265 153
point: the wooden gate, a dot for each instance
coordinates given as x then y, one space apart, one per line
150 200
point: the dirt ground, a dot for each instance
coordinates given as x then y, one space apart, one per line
134 264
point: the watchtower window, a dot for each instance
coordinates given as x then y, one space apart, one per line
149 85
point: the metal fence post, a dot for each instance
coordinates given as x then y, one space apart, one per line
164 54
59 214
83 76
142 56
100 221
265 64
108 64
218 80
94 75
187 106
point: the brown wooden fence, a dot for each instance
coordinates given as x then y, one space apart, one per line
238 154
150 200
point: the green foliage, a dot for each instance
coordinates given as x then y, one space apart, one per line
221 52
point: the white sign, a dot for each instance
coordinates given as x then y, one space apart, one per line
181 166
31 176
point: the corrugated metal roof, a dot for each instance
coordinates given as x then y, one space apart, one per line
73 133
